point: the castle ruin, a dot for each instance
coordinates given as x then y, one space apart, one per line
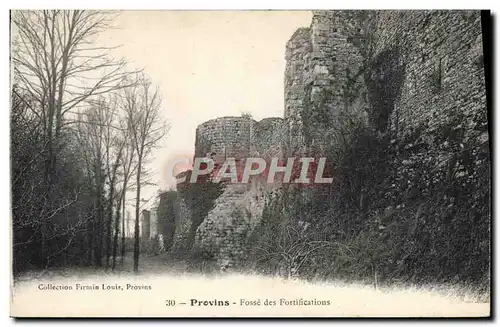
398 71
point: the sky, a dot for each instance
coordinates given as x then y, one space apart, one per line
207 64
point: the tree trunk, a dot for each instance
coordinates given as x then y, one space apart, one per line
124 195
49 180
136 230
89 235
109 223
117 230
99 225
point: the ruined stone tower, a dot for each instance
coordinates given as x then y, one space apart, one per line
394 71
224 136
321 61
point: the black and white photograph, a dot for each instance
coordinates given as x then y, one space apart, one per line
251 163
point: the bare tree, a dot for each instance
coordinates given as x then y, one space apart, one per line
291 248
119 202
57 65
91 133
68 88
142 104
128 168
114 144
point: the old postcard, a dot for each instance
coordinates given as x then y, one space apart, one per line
326 163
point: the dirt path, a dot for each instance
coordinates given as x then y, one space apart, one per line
154 264
148 265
